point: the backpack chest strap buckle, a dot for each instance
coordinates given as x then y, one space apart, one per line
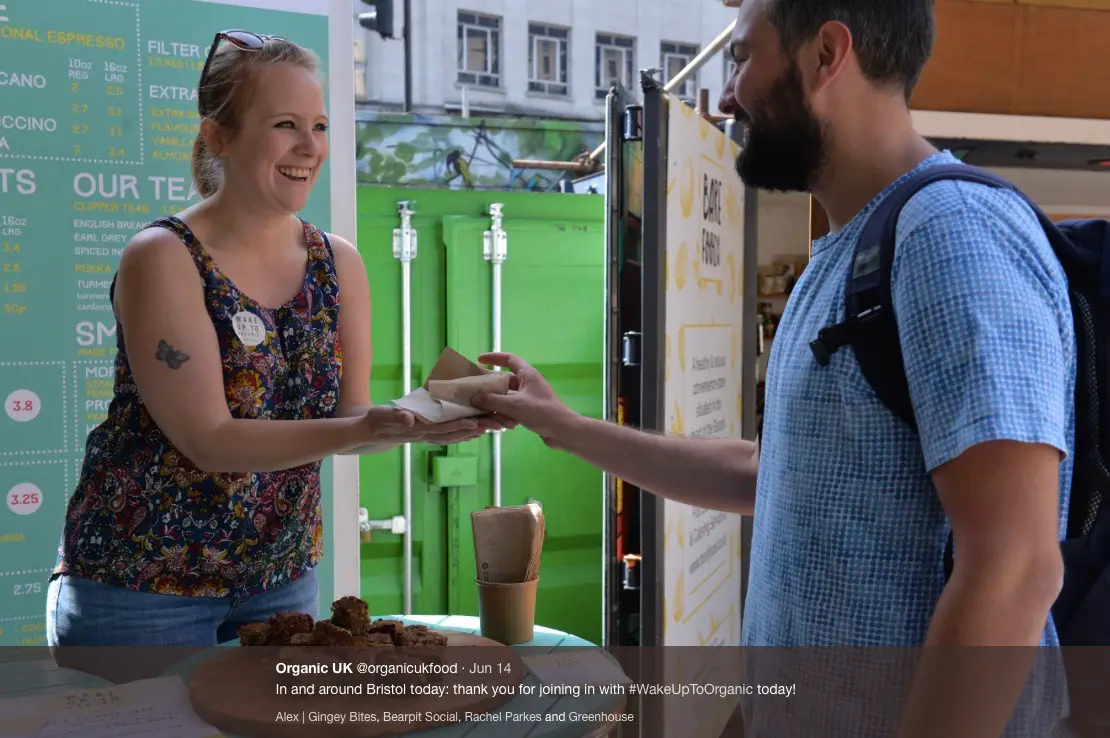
831 338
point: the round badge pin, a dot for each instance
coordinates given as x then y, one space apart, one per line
249 327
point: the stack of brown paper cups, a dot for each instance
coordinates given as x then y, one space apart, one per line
508 542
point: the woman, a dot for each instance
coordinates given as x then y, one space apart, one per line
244 359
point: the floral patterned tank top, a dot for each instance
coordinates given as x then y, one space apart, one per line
145 518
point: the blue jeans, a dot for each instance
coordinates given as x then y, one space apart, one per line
80 612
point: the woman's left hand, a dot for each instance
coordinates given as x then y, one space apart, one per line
435 433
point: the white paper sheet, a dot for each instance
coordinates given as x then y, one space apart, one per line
576 666
421 403
148 707
450 399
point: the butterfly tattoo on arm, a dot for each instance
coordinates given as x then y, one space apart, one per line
167 353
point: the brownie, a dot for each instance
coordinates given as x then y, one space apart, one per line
254 634
372 648
285 625
405 638
393 628
352 614
420 639
301 639
374 639
327 633
435 640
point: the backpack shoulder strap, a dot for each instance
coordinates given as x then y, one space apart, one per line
869 324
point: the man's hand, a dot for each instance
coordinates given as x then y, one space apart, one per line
533 404
715 473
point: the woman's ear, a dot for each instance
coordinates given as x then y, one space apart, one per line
214 137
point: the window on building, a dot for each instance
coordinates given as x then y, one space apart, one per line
674 57
360 71
547 59
479 49
613 64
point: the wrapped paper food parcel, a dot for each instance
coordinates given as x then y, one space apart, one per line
451 385
508 542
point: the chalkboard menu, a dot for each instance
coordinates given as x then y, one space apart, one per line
97 120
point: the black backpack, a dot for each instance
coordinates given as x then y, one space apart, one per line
1082 610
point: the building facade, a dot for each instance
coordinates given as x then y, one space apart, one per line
533 58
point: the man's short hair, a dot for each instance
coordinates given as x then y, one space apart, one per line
892 38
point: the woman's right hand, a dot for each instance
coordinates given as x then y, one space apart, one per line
387 424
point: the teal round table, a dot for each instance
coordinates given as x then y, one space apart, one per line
31 672
545 640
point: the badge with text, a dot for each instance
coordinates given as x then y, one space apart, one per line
249 327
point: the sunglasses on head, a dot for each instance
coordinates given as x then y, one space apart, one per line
242 40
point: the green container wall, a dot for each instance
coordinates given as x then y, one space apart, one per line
552 315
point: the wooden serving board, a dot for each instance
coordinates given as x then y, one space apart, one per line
236 691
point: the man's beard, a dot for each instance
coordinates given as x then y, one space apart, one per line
787 152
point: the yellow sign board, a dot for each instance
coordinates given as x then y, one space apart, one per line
704 247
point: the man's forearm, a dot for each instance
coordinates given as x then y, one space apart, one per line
962 688
715 473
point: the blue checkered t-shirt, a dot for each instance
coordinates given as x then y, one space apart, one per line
849 534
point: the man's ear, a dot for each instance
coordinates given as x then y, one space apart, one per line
825 56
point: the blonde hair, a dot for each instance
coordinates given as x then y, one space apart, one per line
227 91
